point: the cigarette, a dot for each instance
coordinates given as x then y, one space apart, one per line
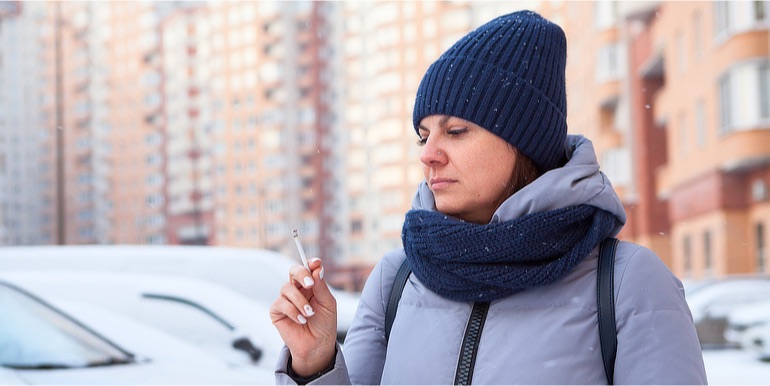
300 249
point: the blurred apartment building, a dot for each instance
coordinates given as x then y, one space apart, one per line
221 123
251 151
232 123
24 220
169 122
676 96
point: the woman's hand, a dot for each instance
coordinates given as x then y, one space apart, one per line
305 315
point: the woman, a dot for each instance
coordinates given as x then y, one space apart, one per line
506 225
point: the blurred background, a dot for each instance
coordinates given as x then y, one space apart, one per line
227 124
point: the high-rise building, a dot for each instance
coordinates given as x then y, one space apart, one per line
183 70
26 207
275 149
128 136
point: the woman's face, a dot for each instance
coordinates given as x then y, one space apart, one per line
467 168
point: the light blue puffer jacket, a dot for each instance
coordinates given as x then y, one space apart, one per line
546 335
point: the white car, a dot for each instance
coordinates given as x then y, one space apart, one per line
255 273
216 319
712 302
749 327
41 344
757 339
719 296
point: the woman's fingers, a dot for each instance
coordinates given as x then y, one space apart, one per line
283 309
302 290
298 299
321 292
300 275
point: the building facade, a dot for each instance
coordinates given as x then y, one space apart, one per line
683 128
233 123
716 107
26 210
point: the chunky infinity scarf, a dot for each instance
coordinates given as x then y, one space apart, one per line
480 263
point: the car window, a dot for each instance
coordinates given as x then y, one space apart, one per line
34 335
201 326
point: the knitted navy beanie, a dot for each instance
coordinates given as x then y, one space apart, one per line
506 76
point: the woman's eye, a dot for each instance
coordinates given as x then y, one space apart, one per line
457 131
422 141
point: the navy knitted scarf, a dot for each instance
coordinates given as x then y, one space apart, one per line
479 263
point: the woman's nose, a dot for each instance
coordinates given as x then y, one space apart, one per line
431 153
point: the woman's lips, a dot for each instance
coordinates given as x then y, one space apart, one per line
440 183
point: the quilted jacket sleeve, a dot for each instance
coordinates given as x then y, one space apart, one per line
657 341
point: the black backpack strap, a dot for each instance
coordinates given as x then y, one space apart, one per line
395 295
605 301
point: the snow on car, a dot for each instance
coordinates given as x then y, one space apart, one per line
53 341
214 318
255 273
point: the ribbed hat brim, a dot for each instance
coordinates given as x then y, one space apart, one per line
498 101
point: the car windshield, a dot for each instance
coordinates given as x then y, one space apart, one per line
33 335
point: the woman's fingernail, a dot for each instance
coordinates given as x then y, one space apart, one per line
321 274
313 260
301 319
309 310
308 281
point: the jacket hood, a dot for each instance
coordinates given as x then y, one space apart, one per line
579 181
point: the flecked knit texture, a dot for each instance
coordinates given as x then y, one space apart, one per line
507 76
480 263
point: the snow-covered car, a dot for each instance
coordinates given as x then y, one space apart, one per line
216 319
255 273
42 344
757 339
747 318
711 303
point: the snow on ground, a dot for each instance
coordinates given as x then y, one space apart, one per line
735 367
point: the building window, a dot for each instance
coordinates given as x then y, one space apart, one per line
700 123
605 13
610 64
721 10
764 89
734 17
759 190
86 215
684 143
761 250
356 226
687 252
154 200
725 104
156 239
760 10
153 139
747 82
697 25
708 262
616 164
154 180
274 206
681 57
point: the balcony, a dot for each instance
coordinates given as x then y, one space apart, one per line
744 150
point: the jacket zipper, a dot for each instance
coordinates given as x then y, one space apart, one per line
470 345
